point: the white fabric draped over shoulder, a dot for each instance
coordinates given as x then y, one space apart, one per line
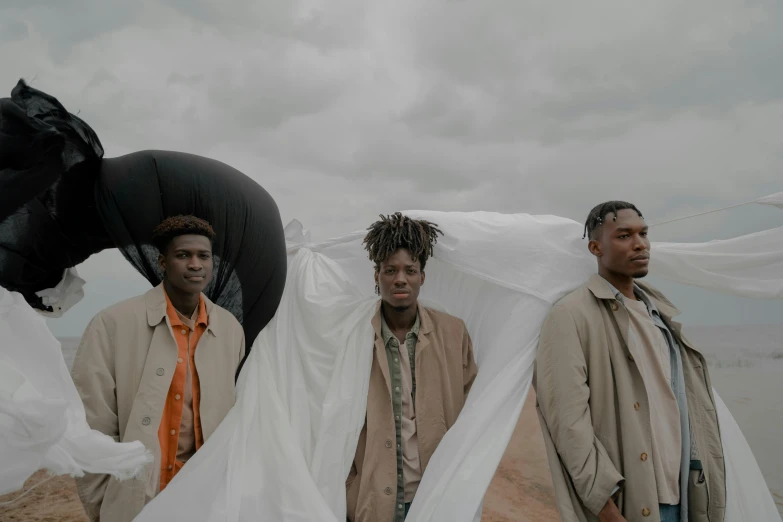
284 451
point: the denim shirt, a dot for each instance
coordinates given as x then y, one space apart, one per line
688 451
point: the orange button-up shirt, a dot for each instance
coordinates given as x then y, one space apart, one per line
171 421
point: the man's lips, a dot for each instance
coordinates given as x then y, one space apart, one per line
195 278
400 293
641 259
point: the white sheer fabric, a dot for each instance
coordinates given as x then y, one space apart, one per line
284 450
42 419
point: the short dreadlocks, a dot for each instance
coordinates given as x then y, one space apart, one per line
179 226
398 231
596 217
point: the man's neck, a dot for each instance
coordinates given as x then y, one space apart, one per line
184 303
624 284
399 321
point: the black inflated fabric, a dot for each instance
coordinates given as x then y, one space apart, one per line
137 191
61 202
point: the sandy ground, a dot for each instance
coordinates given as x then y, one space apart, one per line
746 365
521 490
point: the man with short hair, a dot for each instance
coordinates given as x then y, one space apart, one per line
158 368
624 399
422 371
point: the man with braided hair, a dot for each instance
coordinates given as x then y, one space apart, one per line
624 399
159 368
422 371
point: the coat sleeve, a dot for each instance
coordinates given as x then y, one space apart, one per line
469 368
93 375
562 392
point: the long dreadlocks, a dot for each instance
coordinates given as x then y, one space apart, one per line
596 217
398 231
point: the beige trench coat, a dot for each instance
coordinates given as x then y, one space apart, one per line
445 370
123 370
594 410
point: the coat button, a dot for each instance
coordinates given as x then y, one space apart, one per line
160 372
630 358
645 512
636 406
388 491
643 457
388 444
614 307
145 421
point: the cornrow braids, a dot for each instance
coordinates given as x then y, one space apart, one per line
397 231
596 217
175 226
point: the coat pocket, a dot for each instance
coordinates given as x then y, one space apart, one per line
698 498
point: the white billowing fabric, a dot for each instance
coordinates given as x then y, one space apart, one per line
64 295
285 449
776 200
42 419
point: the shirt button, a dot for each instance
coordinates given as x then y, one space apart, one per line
176 397
145 421
173 432
388 491
396 360
614 307
388 444
636 406
643 457
645 512
398 446
180 360
396 388
399 506
630 358
396 417
160 372
184 332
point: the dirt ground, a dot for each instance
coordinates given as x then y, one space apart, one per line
521 490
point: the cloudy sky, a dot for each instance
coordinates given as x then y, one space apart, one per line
505 105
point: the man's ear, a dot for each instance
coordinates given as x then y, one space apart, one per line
162 262
595 248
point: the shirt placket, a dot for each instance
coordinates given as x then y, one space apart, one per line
395 370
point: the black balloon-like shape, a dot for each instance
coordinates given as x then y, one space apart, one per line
61 202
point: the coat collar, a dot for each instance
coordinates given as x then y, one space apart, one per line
602 289
155 300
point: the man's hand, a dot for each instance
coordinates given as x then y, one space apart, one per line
610 513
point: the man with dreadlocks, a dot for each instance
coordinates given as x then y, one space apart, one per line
624 399
159 368
422 371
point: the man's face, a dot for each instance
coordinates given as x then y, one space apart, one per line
188 263
622 246
400 278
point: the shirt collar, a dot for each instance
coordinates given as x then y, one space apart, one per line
638 292
387 334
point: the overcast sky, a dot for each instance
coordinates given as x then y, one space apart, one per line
344 109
